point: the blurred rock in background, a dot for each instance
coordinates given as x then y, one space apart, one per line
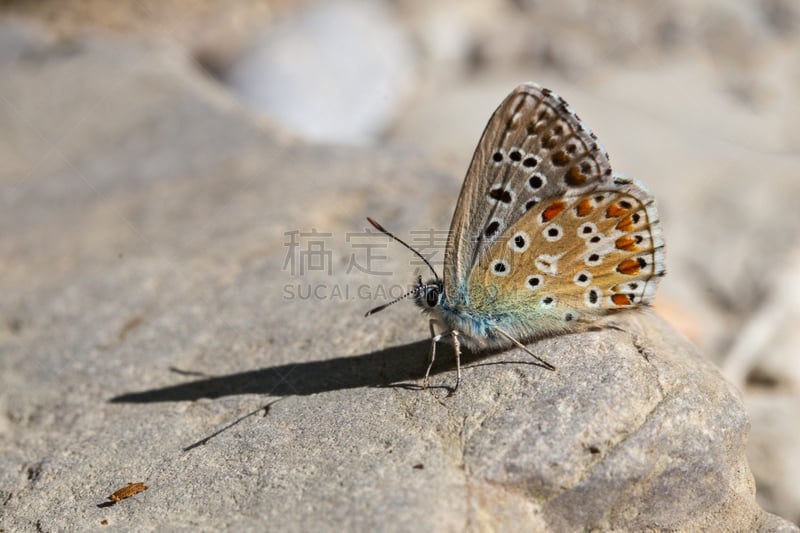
332 72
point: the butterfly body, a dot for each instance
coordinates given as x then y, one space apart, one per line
457 314
545 238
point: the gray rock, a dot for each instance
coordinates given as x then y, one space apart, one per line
150 331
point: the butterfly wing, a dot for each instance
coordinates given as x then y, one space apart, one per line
571 259
533 148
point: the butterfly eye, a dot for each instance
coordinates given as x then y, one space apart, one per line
432 297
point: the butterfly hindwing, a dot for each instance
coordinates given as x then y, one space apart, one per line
571 259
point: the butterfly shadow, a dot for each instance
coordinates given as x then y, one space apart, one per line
396 367
391 367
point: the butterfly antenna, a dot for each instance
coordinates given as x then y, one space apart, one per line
401 241
415 290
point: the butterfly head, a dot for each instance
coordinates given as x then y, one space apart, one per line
428 295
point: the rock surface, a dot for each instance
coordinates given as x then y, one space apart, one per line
152 330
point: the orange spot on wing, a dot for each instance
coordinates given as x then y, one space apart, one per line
626 243
560 158
575 177
552 210
615 211
626 224
629 266
584 208
621 299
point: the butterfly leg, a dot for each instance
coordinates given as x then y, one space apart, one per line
432 354
518 344
457 348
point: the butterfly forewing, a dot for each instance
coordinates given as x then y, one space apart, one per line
534 148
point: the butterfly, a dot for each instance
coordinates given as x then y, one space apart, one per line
545 238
